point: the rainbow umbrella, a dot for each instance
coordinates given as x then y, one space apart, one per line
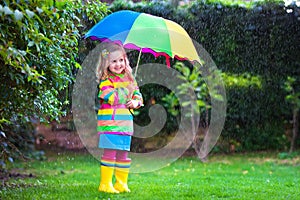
146 33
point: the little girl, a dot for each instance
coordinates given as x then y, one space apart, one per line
118 92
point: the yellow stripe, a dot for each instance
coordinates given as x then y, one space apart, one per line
185 48
105 111
122 111
123 162
105 83
121 84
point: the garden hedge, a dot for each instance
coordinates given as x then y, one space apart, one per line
261 42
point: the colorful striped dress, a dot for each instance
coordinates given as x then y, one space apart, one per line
115 122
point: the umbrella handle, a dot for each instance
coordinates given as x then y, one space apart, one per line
137 64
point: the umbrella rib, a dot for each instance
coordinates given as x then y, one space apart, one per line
137 64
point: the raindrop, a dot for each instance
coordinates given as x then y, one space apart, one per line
7 11
18 15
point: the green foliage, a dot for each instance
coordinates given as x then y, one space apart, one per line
287 155
256 45
244 80
194 85
76 176
39 59
239 3
293 96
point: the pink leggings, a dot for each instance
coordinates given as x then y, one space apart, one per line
117 155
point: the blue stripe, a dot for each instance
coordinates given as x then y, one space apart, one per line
118 30
104 117
117 117
107 164
123 117
107 96
122 166
110 141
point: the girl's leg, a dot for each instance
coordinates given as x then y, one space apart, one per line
122 171
109 154
108 161
122 155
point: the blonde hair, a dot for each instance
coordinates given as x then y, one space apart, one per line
102 70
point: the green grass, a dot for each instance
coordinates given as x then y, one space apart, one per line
76 176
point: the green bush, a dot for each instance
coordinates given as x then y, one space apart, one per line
258 41
39 59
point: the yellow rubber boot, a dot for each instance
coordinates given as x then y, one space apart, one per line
121 175
106 180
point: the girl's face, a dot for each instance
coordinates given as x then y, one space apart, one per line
116 62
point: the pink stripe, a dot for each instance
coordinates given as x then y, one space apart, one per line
118 79
122 156
116 99
116 133
115 123
108 106
121 80
122 161
106 87
109 155
104 93
113 115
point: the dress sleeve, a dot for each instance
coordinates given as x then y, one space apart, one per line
111 95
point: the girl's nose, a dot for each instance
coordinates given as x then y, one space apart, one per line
119 62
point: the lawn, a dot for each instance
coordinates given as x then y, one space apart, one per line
76 176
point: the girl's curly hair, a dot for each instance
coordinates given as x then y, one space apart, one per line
102 70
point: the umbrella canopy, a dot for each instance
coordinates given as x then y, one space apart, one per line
146 33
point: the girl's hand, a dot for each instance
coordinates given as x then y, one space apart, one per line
129 69
128 66
132 104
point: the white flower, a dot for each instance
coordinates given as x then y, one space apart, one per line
18 15
39 10
29 13
3 134
7 11
1 8
288 2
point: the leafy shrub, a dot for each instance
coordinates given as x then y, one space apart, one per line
39 58
258 41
